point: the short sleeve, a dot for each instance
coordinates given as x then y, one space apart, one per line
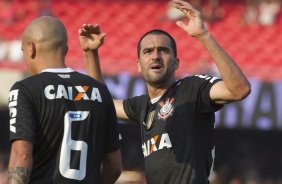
203 85
206 83
133 107
112 141
23 119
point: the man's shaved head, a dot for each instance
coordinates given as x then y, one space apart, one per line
44 44
47 33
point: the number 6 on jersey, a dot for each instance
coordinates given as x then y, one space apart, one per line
68 144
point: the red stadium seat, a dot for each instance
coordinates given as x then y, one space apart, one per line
256 49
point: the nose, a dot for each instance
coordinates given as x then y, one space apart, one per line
156 55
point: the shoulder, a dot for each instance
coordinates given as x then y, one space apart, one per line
138 98
32 83
135 107
199 79
209 78
138 101
33 80
25 83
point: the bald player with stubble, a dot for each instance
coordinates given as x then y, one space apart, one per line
63 125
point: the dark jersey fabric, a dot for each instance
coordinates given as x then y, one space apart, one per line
71 121
177 146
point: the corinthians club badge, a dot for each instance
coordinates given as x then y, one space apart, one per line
167 108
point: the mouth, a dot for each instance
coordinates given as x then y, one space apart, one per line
156 67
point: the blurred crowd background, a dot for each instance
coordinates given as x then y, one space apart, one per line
248 134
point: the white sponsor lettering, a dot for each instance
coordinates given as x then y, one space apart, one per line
95 95
62 92
206 77
67 92
13 97
165 141
151 146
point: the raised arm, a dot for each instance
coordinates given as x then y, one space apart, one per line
91 39
235 85
20 163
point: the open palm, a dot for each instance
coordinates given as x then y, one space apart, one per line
195 26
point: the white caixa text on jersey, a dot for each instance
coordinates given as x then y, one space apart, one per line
74 93
158 142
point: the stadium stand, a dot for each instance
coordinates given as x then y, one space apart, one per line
257 49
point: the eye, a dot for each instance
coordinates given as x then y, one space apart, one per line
147 51
165 50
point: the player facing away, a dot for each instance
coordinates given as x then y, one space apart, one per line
176 117
63 125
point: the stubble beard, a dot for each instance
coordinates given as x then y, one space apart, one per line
158 80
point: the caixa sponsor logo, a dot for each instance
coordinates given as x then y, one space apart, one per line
74 93
158 142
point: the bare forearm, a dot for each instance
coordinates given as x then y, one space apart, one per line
231 74
20 163
18 175
19 169
92 65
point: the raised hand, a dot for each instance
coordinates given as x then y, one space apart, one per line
90 37
195 25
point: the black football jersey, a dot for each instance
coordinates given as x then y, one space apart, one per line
177 131
71 121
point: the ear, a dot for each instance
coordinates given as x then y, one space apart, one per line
31 50
138 66
176 63
67 49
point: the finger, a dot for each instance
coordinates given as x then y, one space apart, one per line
188 8
83 29
83 25
181 24
102 36
184 10
178 3
87 28
81 32
91 27
183 5
96 29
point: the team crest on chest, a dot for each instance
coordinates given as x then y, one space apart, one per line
167 108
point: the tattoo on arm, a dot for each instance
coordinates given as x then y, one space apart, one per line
18 175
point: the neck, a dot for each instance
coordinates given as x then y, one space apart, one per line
155 91
51 62
52 66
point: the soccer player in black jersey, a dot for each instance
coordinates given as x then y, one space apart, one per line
176 117
63 124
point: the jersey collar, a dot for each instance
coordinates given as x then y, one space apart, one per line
154 100
58 70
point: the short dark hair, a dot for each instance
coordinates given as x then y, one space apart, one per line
157 32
